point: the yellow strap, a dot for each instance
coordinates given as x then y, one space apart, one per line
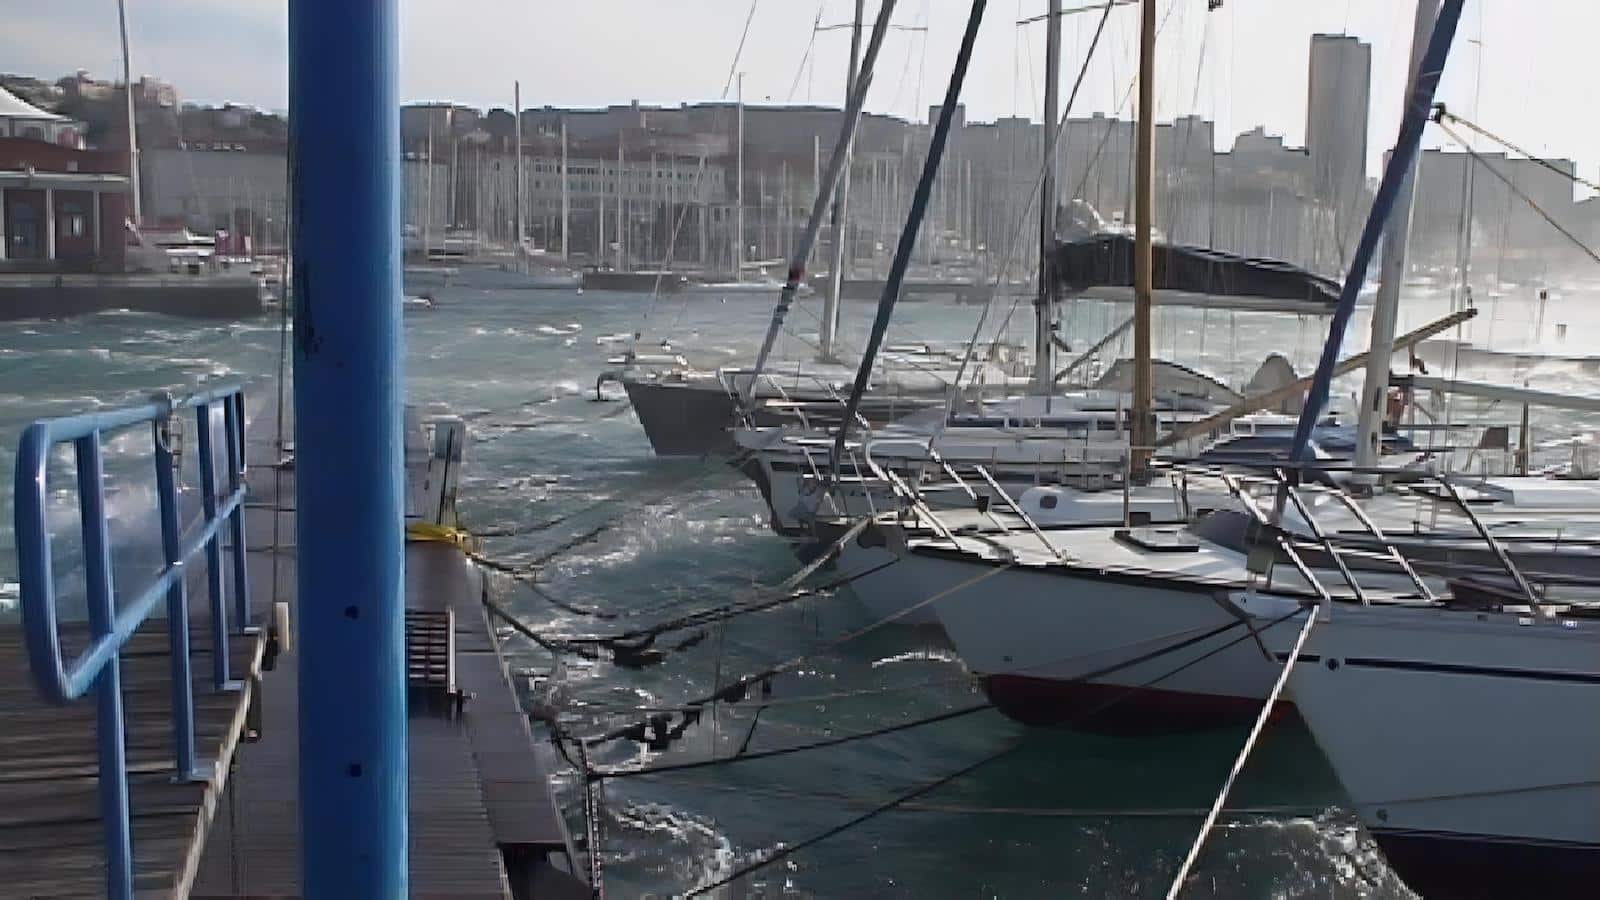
428 531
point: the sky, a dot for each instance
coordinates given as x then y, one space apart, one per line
1521 68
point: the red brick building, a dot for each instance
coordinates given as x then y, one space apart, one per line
62 208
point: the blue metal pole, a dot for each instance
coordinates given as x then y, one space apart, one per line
177 611
908 234
344 150
233 425
1412 120
108 684
208 503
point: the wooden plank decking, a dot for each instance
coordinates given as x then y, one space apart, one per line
51 836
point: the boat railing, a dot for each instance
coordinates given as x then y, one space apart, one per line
961 483
1285 486
1016 509
908 496
911 497
96 669
1287 479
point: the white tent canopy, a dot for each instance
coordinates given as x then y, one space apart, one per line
14 107
21 119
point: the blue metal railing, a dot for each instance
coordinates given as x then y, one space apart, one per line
95 669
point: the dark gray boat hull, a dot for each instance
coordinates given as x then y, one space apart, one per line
696 418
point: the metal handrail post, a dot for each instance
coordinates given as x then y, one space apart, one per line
177 612
220 676
1026 519
233 423
1277 533
109 737
866 491
1494 545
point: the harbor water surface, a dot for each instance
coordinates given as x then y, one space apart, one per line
558 477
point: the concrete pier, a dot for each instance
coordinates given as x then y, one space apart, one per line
50 296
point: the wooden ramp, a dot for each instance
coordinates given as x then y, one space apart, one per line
51 835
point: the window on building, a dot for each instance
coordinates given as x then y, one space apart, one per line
73 222
22 232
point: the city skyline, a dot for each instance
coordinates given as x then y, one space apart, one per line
1240 66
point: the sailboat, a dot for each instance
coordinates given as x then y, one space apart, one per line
1463 731
1058 459
1078 438
766 286
687 411
1034 609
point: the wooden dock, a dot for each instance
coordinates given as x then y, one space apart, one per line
51 837
482 821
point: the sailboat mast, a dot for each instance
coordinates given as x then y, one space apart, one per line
516 243
738 185
455 159
1391 273
816 181
620 213
824 191
1044 300
427 211
1143 437
566 198
133 135
830 303
1413 119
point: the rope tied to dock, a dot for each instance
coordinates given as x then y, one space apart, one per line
636 648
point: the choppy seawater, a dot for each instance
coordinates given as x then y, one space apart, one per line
1065 815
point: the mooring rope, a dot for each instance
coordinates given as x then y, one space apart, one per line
790 849
1129 691
1244 753
635 648
604 774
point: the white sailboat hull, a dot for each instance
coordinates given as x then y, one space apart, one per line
887 591
1469 742
1038 634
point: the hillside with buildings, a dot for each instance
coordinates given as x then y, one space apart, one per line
645 185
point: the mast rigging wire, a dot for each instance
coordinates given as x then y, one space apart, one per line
790 849
1094 159
1441 112
1013 243
908 234
805 57
1520 194
739 52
